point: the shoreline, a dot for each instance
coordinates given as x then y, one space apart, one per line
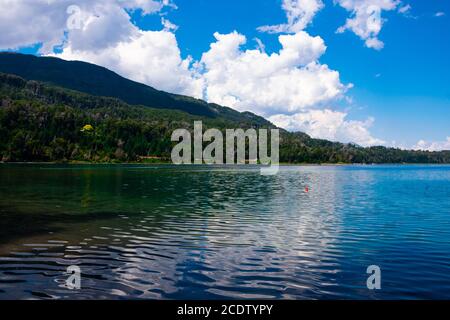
169 163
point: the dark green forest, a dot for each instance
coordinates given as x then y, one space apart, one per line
43 122
95 80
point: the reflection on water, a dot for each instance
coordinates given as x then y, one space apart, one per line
219 232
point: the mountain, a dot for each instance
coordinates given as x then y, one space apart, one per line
99 81
43 120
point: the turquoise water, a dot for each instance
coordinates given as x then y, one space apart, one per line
166 232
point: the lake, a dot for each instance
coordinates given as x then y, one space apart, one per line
202 232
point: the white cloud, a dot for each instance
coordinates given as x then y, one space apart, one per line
25 22
147 6
100 27
150 57
260 45
28 22
329 124
168 26
366 21
439 14
404 9
433 145
299 14
284 82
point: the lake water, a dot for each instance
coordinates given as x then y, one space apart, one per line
166 232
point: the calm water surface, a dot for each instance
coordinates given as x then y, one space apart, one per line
165 232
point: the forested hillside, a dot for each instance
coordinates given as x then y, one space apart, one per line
99 81
41 122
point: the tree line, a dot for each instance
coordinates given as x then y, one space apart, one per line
40 122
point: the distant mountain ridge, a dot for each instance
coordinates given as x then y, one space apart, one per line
99 81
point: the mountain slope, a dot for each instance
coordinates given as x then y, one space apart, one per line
40 122
99 81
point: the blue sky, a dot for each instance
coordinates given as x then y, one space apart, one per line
403 87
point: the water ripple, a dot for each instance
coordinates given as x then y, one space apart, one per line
212 232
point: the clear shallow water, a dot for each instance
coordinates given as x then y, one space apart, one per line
208 232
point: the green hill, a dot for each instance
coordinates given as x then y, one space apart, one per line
42 120
99 81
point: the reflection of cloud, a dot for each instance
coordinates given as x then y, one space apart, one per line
207 232
276 222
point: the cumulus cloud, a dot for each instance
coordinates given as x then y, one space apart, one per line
150 57
284 82
299 14
366 21
96 28
439 14
329 124
29 22
433 145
